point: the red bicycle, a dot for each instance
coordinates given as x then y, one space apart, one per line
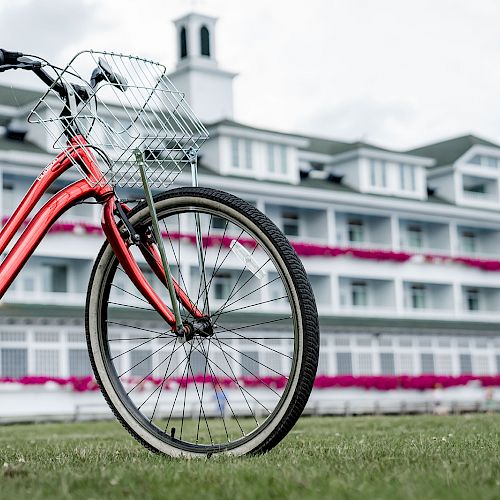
201 324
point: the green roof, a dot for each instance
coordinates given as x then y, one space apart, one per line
331 147
15 96
320 145
449 151
12 145
232 123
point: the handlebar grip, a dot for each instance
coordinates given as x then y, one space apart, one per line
9 57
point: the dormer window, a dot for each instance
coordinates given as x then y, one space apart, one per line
277 158
378 173
183 43
241 153
205 41
485 161
407 180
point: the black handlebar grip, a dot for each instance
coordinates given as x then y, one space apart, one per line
9 57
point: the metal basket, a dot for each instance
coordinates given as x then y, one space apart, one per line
144 114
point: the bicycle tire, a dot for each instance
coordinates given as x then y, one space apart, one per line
307 320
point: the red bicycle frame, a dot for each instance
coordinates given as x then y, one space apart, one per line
78 152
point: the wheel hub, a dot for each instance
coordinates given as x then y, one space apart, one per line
200 327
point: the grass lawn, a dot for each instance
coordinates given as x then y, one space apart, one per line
406 457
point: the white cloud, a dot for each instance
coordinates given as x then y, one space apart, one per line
397 72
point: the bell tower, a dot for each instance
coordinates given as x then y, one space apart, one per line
208 89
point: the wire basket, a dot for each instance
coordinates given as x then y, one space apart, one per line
134 109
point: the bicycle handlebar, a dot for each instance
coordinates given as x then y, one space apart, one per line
8 57
17 60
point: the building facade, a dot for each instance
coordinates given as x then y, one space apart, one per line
401 247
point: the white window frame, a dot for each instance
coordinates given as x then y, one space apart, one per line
241 154
484 160
277 158
379 174
407 177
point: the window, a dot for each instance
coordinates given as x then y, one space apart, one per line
323 364
472 299
485 161
46 336
405 363
241 153
250 364
344 363
277 158
444 364
465 363
183 40
355 230
415 236
417 296
141 363
47 362
218 223
290 222
359 296
205 41
79 364
378 173
221 286
387 363
12 336
55 278
469 241
427 362
365 363
481 365
14 363
475 188
407 177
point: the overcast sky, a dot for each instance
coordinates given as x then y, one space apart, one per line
398 73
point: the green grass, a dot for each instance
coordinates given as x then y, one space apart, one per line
455 457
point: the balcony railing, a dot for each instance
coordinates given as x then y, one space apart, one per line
59 298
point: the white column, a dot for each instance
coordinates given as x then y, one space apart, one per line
457 298
63 351
331 226
399 296
453 235
335 291
395 235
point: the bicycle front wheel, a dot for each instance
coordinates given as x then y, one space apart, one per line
239 386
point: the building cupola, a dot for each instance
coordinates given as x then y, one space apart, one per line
208 89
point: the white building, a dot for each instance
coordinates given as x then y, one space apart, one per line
402 246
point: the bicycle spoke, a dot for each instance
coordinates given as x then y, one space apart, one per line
133 348
250 305
252 340
156 367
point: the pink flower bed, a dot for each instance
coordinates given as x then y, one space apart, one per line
380 383
303 249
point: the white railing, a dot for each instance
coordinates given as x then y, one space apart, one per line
59 298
